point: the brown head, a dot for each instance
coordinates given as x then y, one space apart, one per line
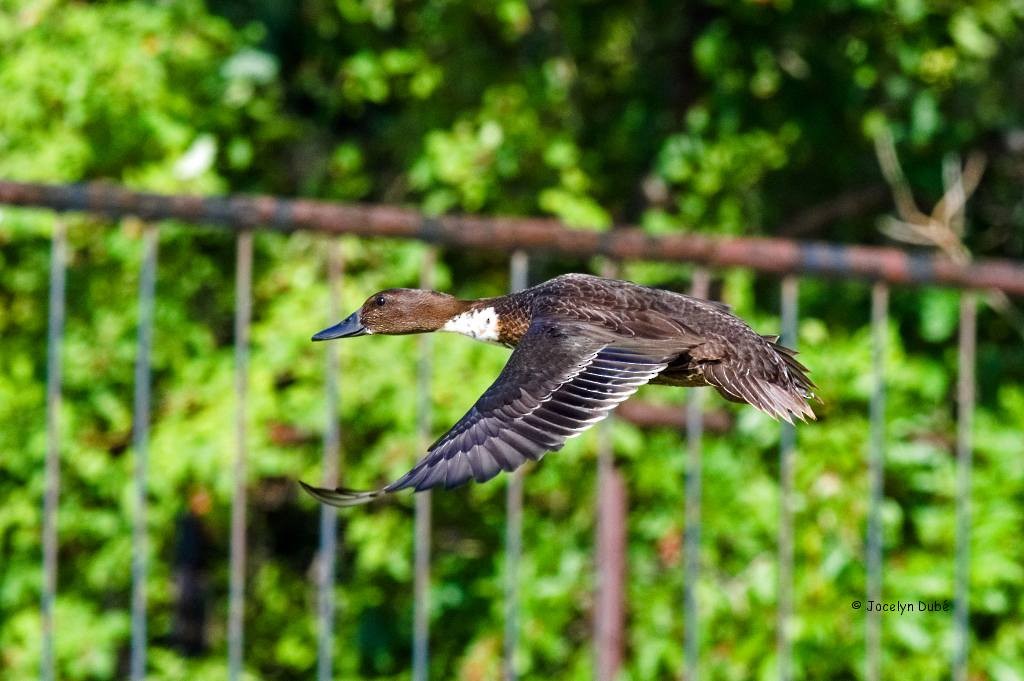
397 311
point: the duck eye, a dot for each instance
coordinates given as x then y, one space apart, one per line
380 301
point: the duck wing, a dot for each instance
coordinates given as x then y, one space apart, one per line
559 381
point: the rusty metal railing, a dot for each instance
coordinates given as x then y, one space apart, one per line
884 266
779 256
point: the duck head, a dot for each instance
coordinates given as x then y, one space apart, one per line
397 311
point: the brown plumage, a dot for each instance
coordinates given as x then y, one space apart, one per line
583 344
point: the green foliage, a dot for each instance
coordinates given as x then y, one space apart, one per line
705 116
144 94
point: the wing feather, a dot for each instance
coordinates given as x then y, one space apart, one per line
553 388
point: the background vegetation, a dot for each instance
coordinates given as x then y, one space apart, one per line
722 117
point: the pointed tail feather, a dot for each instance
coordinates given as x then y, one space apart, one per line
782 395
342 497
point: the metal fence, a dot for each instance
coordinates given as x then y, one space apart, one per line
883 266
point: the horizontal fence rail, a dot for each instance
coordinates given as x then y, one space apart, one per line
782 256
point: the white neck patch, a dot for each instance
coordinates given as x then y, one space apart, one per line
481 324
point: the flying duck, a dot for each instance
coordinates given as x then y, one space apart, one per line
582 345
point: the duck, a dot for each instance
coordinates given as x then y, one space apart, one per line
581 345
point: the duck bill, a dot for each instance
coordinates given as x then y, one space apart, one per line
347 328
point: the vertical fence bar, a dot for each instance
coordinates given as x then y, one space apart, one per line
784 644
612 508
331 468
140 445
51 494
610 611
421 586
243 314
964 455
691 522
519 270
876 477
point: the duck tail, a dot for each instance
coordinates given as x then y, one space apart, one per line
342 497
768 377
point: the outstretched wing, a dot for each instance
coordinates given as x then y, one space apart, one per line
554 386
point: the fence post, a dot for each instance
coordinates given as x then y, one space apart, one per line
519 267
331 466
243 314
691 522
786 451
140 446
612 508
964 455
876 477
610 611
51 494
421 584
